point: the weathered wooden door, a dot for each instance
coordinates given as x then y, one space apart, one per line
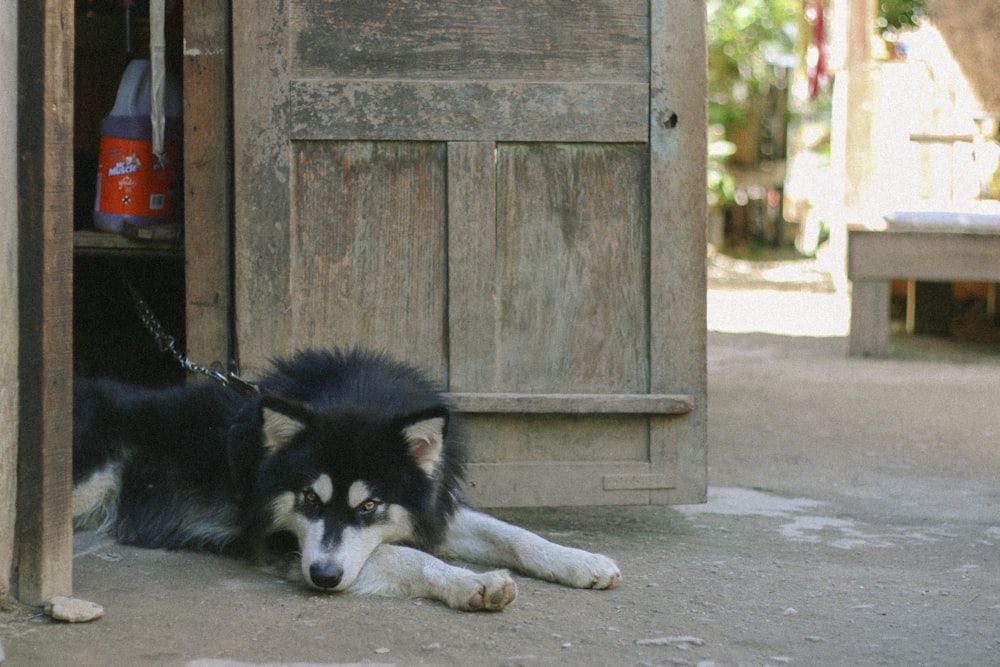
510 193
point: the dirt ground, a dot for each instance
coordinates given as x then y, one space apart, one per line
853 519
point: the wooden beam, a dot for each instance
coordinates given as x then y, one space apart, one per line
933 255
491 111
208 180
45 146
564 404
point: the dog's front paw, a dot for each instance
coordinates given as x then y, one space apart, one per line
488 591
604 572
583 569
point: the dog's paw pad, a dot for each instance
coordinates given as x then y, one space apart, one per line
494 591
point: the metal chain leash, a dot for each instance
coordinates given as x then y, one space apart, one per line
167 343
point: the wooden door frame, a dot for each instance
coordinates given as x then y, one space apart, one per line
43 542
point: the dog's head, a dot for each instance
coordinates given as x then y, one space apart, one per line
344 481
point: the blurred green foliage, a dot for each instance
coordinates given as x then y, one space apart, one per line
746 39
894 15
749 41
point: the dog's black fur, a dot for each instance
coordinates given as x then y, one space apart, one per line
198 449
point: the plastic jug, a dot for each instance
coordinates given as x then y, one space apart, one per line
133 185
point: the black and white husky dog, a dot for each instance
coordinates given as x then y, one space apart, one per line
345 468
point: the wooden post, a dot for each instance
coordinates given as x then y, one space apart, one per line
208 179
869 319
678 220
45 147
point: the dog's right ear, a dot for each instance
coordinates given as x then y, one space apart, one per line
424 433
281 421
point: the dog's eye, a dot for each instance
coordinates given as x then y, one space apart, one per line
368 506
310 497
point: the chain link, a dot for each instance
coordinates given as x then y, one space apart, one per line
167 343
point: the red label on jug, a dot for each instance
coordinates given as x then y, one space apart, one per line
131 181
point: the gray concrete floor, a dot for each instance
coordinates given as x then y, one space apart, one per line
853 519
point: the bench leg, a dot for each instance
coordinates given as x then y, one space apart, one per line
869 319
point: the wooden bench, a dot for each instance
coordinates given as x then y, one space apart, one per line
928 245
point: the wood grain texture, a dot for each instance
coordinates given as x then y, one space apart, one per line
476 40
208 180
470 70
571 404
572 268
678 221
580 439
469 110
45 148
472 265
262 177
553 483
368 248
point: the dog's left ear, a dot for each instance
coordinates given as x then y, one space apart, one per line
282 420
424 433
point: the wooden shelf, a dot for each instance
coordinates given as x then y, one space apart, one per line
93 242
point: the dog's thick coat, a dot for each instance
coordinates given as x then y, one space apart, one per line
346 467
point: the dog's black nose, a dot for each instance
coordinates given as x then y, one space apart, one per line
325 575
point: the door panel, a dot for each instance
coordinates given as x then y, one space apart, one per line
509 193
367 257
572 269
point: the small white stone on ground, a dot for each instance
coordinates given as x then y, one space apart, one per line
73 610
